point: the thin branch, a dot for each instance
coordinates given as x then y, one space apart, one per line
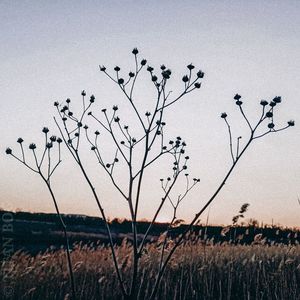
156 214
243 114
230 140
63 137
24 163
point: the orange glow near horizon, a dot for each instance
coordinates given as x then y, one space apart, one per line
53 51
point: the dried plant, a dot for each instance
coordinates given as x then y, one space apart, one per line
151 138
45 168
224 272
239 216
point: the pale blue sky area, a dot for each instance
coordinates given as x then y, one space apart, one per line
50 50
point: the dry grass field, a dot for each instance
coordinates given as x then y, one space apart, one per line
197 271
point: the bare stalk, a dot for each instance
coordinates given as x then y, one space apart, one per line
66 135
46 179
252 137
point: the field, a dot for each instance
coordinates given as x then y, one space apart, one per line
198 270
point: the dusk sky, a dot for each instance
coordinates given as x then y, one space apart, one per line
51 50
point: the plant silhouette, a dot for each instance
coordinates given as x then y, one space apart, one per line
149 141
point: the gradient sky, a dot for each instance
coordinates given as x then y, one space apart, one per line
50 50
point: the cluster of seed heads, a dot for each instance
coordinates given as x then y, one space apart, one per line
32 146
269 114
165 73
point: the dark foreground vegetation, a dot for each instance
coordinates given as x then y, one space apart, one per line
198 270
236 262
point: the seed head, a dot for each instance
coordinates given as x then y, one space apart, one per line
56 103
197 85
93 148
83 93
239 103
166 74
92 99
224 115
154 78
237 97
149 69
131 74
68 100
97 132
185 78
135 51
269 114
45 130
271 125
102 68
53 138
117 119
263 102
49 145
65 108
168 71
200 74
115 108
120 81
117 69
272 103
20 140
244 208
59 140
8 151
291 123
32 146
190 67
277 99
162 67
143 62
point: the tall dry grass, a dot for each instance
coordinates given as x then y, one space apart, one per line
197 271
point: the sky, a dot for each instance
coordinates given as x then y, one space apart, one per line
51 50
